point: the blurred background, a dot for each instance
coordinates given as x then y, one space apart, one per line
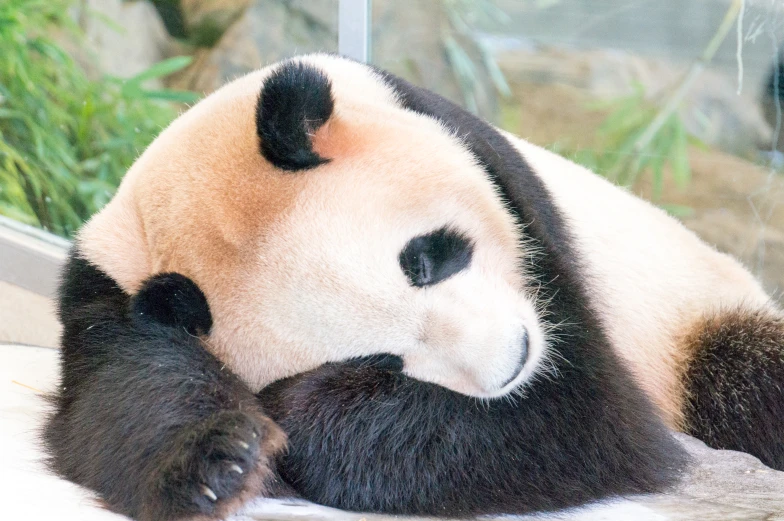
678 100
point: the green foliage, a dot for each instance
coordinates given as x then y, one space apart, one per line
465 17
622 157
66 139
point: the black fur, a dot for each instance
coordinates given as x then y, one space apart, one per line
173 300
435 257
144 415
373 440
367 439
295 101
735 385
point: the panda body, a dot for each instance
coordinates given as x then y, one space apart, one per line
543 325
654 282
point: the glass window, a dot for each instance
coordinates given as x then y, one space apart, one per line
678 100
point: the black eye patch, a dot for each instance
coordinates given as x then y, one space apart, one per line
429 259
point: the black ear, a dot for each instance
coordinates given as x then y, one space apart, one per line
295 101
172 300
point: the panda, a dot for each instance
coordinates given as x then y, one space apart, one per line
322 281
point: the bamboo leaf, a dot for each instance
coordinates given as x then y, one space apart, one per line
66 139
677 210
162 69
180 96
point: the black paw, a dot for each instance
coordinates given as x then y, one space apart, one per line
215 464
173 300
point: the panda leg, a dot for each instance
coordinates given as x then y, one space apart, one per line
735 384
145 415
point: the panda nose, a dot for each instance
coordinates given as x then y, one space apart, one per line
522 359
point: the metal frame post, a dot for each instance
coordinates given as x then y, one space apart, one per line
354 29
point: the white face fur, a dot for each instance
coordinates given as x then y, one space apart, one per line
305 268
329 283
343 292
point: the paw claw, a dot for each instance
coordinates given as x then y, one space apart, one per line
214 464
207 491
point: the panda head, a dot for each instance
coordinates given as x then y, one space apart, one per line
325 221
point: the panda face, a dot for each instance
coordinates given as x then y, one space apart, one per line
356 228
439 301
398 244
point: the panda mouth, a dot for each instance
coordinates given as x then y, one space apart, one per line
523 359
